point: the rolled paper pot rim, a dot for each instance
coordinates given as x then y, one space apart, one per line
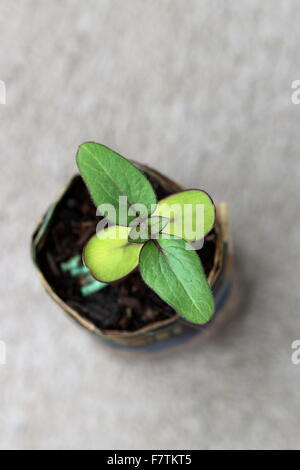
222 238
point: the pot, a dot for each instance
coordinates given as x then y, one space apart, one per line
169 329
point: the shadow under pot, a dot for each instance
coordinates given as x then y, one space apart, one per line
126 314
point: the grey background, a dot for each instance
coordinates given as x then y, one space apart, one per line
202 91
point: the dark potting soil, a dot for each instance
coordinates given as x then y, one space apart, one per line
126 305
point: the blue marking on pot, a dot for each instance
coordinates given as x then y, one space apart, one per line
75 267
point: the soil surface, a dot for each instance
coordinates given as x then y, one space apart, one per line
126 305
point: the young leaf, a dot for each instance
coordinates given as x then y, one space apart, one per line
108 176
109 256
191 214
146 229
177 276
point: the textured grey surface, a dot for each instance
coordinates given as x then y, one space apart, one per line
201 90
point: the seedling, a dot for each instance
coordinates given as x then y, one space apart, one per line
137 230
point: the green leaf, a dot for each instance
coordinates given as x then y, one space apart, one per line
108 176
191 214
146 229
177 276
109 256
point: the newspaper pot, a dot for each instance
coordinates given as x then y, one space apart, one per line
70 285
